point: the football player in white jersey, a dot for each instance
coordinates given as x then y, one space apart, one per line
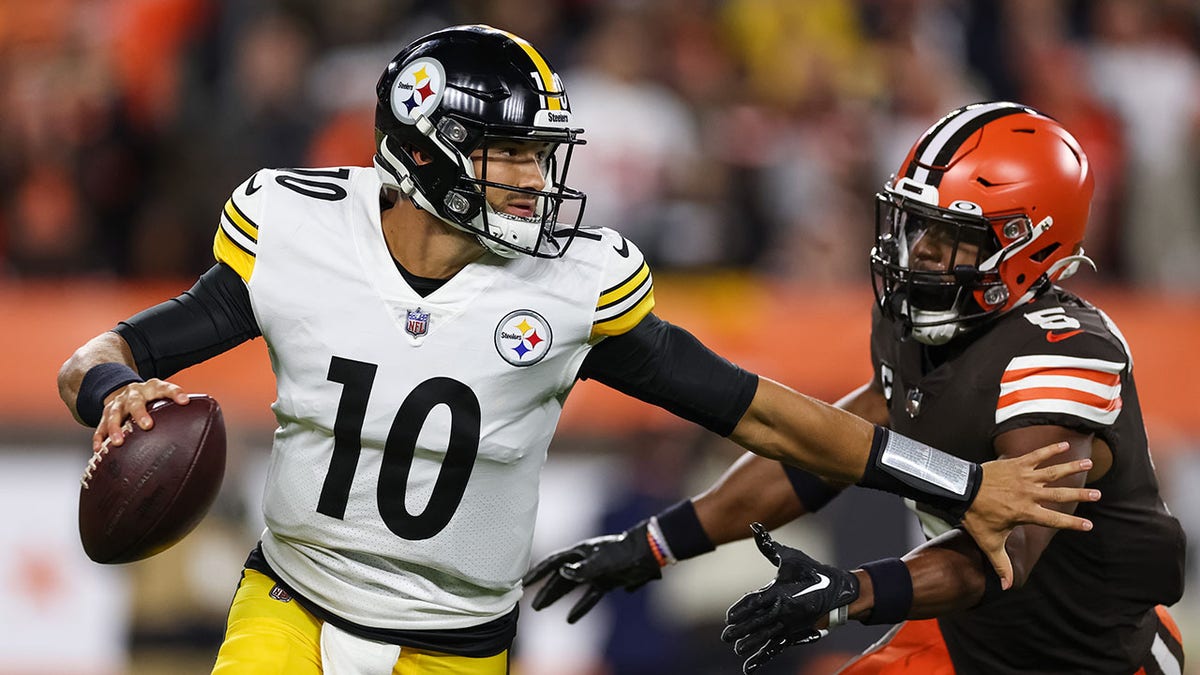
426 320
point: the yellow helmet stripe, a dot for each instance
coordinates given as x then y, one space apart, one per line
543 69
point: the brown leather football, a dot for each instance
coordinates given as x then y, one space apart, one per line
140 498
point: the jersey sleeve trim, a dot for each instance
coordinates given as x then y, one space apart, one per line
1086 388
236 241
622 306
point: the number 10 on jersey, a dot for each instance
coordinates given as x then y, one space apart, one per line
399 452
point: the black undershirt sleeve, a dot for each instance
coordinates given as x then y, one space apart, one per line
212 317
663 364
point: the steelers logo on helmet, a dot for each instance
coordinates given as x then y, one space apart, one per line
418 89
523 337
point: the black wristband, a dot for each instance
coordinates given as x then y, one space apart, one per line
98 382
682 529
909 468
893 590
813 492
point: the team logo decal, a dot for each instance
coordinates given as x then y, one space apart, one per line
523 337
418 89
416 322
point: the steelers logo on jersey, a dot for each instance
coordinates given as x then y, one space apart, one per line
418 89
523 337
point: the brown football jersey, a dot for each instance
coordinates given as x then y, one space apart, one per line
1087 605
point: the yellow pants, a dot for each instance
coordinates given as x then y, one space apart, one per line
268 636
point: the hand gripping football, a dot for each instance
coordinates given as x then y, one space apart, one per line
140 498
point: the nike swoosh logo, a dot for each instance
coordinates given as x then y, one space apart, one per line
624 250
822 582
1051 336
251 188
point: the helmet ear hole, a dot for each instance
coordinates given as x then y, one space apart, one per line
1041 255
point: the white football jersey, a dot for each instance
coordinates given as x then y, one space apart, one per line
403 481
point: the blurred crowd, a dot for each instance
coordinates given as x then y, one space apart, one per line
735 134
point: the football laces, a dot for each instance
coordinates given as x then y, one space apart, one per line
98 455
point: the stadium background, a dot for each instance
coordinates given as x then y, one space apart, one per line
738 143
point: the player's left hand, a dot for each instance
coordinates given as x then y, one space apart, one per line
1013 492
792 609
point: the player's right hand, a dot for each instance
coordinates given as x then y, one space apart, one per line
131 401
1013 492
601 564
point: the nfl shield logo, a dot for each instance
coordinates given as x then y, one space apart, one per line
416 323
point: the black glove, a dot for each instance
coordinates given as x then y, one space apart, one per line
785 612
603 563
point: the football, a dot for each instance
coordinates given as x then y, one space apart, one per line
140 498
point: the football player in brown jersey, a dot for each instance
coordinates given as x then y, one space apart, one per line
978 351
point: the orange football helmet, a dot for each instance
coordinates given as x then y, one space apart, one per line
989 206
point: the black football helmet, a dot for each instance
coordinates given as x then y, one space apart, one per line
461 89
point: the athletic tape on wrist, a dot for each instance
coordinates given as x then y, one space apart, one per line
98 382
682 532
909 468
892 587
838 616
658 543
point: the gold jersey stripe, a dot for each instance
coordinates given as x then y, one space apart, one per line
554 102
243 223
626 320
229 252
625 288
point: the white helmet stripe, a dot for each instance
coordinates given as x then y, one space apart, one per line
945 137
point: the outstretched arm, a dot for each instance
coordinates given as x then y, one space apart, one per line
757 489
994 497
753 489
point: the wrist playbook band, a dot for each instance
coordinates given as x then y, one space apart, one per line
98 382
909 468
892 584
680 532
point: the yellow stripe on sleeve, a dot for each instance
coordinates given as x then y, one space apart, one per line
617 293
238 218
623 322
228 252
